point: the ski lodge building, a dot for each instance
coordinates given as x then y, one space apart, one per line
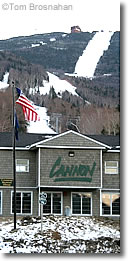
80 174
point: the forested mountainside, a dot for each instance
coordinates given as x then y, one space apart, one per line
27 59
25 76
20 70
55 51
60 51
104 88
110 61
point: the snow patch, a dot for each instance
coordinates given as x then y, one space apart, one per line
35 45
52 39
41 126
59 86
63 35
60 235
38 44
42 43
4 83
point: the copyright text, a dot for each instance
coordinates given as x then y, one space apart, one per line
34 7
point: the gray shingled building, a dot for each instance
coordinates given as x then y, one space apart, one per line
80 174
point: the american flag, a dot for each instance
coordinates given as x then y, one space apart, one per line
27 106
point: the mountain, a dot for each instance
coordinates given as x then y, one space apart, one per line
43 67
59 53
50 50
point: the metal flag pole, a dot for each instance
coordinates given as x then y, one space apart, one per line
14 162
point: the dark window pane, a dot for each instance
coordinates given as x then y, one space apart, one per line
47 207
18 203
56 203
105 209
76 204
115 204
26 203
86 204
106 204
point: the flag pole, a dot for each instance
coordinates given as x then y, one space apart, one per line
14 161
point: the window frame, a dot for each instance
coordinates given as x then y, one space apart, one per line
111 194
26 165
1 202
82 193
21 210
110 172
55 192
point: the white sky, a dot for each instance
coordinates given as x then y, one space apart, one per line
90 15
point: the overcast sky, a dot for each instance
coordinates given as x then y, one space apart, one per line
25 17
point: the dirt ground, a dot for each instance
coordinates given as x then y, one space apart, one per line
54 239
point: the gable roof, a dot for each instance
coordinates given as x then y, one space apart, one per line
77 140
31 140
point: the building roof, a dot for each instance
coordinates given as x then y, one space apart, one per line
24 139
27 139
109 140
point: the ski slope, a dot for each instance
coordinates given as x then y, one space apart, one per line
41 126
86 64
59 86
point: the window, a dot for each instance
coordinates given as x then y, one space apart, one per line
111 167
110 204
23 203
54 203
0 202
82 203
22 165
